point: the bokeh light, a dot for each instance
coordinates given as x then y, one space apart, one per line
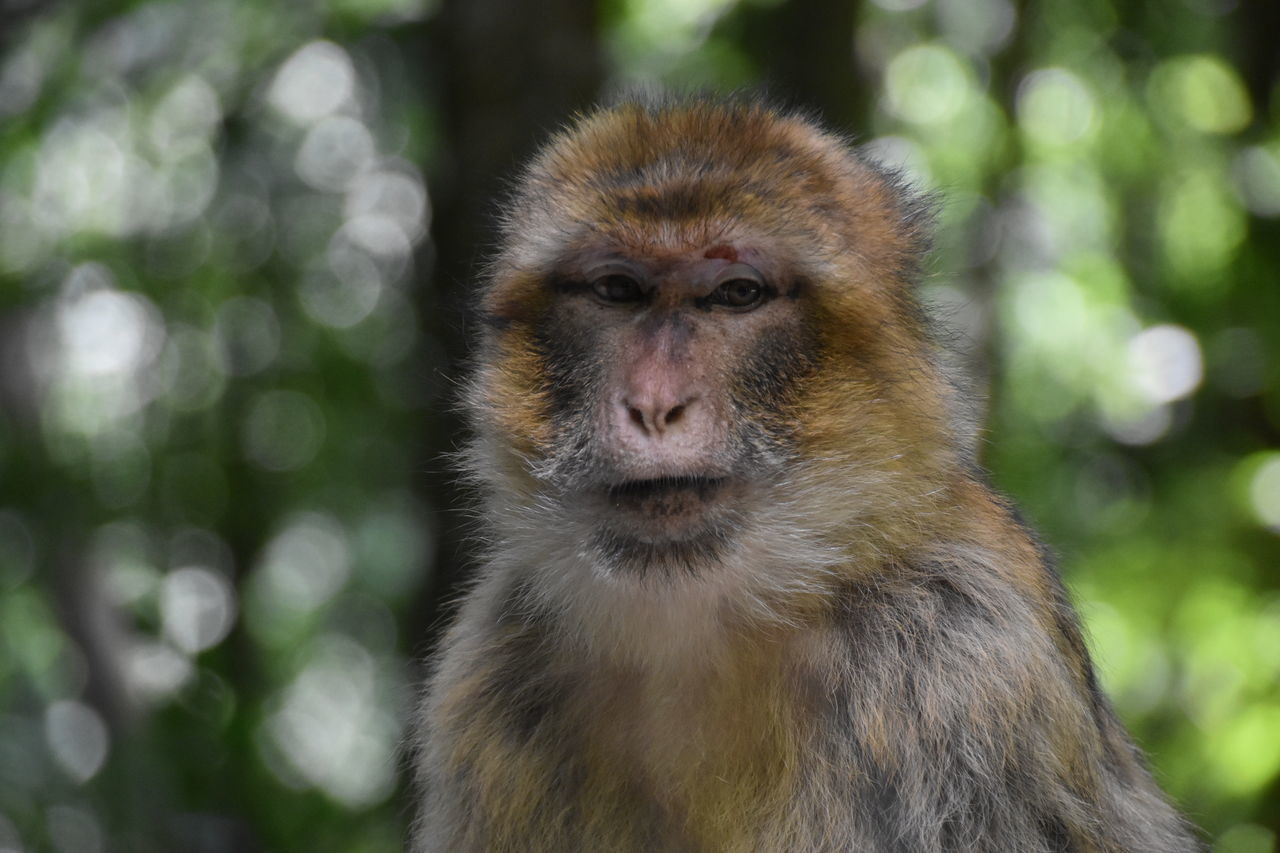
314 82
333 726
77 737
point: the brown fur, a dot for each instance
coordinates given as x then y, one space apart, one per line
875 658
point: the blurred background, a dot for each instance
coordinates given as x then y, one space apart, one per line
233 237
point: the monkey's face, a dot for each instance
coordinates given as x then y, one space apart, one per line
668 378
648 389
692 311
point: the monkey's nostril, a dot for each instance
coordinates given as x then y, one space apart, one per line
654 418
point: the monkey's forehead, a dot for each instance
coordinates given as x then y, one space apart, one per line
675 176
640 141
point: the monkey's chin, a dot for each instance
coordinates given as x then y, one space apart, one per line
658 525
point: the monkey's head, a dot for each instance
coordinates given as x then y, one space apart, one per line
699 313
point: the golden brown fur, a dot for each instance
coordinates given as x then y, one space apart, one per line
865 651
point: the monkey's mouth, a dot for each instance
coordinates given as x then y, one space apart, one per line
704 487
666 497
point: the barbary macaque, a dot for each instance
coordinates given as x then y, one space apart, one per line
745 587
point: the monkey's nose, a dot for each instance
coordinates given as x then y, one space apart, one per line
654 417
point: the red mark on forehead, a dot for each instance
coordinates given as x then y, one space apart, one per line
723 252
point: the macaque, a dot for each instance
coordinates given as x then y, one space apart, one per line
745 587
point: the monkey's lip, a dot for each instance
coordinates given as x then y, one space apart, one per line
673 507
692 485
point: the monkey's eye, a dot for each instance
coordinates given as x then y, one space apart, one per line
739 293
741 288
618 288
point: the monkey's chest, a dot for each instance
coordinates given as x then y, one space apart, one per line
711 764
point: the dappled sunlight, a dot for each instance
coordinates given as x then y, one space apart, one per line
314 82
927 84
333 726
77 737
197 607
1056 109
1264 489
302 568
1166 363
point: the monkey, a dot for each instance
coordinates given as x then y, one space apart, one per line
744 586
